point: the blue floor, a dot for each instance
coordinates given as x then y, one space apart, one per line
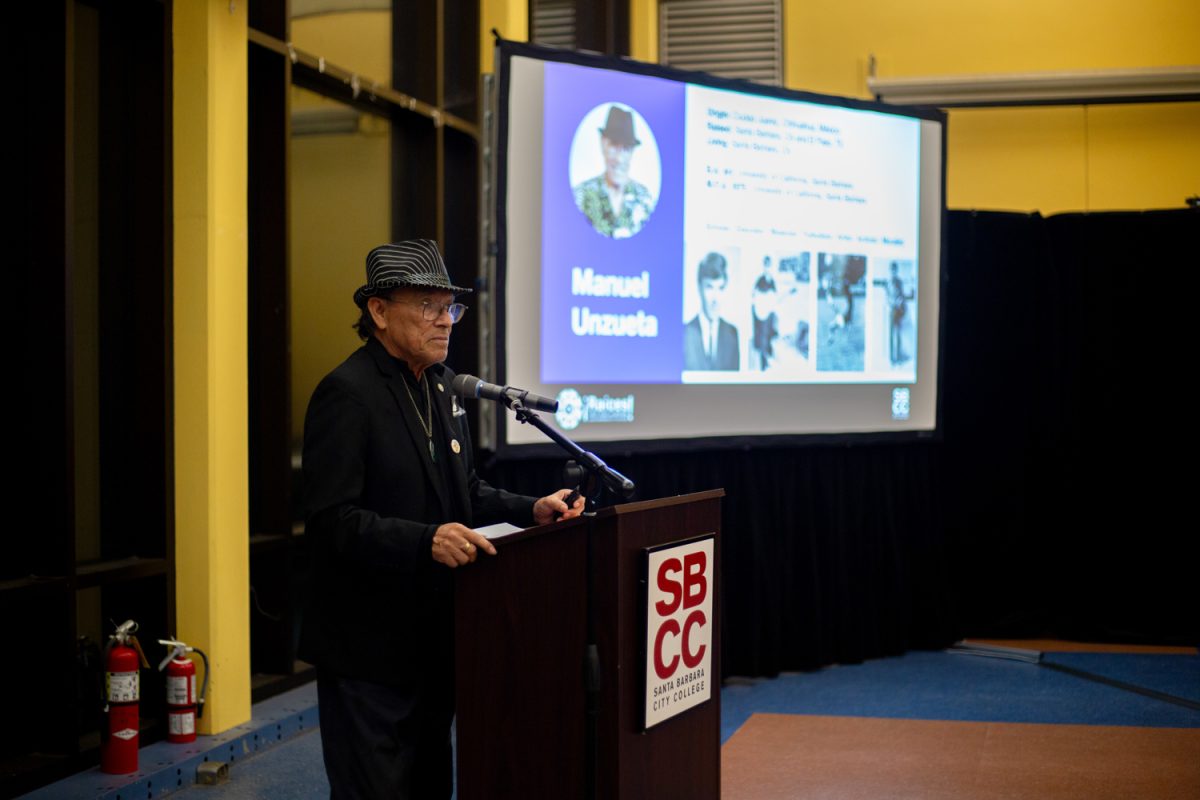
950 686
292 770
917 685
1175 675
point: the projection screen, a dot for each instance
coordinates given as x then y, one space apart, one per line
680 257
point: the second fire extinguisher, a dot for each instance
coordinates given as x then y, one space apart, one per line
184 706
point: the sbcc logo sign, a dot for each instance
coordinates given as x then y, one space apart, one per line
678 628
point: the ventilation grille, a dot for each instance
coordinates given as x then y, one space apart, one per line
729 39
552 23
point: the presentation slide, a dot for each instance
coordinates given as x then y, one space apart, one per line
685 260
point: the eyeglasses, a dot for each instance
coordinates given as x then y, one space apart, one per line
431 310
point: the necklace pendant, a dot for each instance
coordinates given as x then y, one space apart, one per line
432 451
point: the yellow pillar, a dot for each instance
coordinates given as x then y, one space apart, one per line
643 30
211 463
510 18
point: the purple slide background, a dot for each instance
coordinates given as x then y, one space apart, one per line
569 240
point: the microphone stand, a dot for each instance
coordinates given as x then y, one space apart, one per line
606 478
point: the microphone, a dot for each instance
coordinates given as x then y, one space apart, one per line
470 386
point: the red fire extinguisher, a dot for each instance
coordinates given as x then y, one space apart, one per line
184 707
122 689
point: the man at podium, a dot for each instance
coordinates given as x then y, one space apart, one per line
391 496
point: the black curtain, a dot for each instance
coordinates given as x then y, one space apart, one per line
1065 451
1051 506
1130 292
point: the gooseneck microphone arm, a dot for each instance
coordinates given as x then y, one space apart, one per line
612 480
523 404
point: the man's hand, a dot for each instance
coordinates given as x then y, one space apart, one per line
454 544
553 507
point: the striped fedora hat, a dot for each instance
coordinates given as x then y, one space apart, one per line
416 262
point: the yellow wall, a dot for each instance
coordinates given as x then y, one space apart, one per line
339 202
340 208
509 17
1143 156
828 44
360 41
1048 159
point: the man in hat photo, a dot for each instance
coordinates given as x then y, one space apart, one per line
391 498
615 204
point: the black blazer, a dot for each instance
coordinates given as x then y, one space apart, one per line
694 357
378 607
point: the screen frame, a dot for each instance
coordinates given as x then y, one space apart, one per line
493 343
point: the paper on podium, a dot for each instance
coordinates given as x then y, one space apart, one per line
498 531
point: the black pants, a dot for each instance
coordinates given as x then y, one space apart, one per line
382 742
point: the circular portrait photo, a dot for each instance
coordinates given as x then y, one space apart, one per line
615 170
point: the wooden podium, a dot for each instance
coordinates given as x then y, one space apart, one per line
521 629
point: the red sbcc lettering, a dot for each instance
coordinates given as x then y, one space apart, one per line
671 587
695 585
665 669
689 592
